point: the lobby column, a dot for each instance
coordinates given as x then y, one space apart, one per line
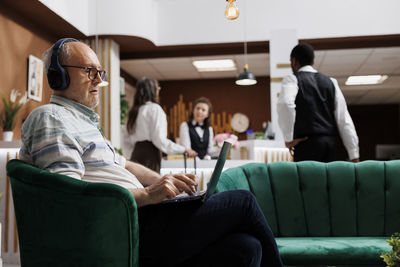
109 110
280 45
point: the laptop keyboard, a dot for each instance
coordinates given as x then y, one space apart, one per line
184 194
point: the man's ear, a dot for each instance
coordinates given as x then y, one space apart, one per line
293 63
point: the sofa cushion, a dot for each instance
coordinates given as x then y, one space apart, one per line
332 250
323 199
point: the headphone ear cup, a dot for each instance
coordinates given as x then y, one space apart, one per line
66 79
54 79
58 78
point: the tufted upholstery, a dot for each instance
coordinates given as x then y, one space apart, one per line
313 199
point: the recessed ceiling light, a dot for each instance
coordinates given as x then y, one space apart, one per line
214 65
366 79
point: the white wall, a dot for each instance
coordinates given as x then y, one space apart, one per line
204 22
171 22
77 12
120 17
281 43
127 17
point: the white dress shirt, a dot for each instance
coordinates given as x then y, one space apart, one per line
151 125
287 113
184 137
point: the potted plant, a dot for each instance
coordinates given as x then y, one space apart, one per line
11 108
124 108
392 258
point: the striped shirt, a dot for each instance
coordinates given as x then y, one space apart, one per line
64 137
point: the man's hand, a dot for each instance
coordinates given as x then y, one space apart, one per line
294 143
168 186
191 153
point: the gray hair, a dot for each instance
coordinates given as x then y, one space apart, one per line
63 55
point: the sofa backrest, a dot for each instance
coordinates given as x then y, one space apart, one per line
323 199
68 222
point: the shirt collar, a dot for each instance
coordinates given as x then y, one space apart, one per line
195 122
308 68
68 103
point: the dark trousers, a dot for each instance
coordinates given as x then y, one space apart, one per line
148 155
319 148
229 229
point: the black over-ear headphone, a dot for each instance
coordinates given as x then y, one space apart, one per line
57 76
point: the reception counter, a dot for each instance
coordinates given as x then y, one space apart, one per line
204 168
248 151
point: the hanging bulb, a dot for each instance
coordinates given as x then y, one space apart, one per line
231 11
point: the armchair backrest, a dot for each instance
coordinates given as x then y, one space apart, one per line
323 199
63 221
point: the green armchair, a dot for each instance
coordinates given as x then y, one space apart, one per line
67 222
337 213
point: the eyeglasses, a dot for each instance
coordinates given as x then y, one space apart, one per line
92 72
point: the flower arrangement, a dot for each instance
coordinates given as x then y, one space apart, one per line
11 107
231 138
392 258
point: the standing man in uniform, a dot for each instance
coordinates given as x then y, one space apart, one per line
312 111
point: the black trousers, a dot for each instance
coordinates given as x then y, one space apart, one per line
148 155
319 148
229 229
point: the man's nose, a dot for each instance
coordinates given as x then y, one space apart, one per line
97 79
98 76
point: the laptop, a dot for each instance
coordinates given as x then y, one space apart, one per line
212 185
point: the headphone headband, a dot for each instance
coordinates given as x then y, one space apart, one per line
57 76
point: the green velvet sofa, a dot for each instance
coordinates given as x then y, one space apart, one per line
67 222
337 213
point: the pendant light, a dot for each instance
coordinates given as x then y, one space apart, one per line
231 10
246 77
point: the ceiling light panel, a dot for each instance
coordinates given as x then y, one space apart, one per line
366 79
214 65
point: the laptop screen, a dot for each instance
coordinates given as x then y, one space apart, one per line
218 169
213 181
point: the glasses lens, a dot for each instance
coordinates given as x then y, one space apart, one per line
102 74
93 73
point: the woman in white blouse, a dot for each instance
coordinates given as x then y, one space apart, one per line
197 134
147 128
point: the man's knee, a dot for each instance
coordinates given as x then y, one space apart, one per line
242 249
233 250
240 195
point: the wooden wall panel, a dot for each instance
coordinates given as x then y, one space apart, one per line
19 39
375 124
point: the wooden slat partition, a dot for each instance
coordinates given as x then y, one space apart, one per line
220 122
